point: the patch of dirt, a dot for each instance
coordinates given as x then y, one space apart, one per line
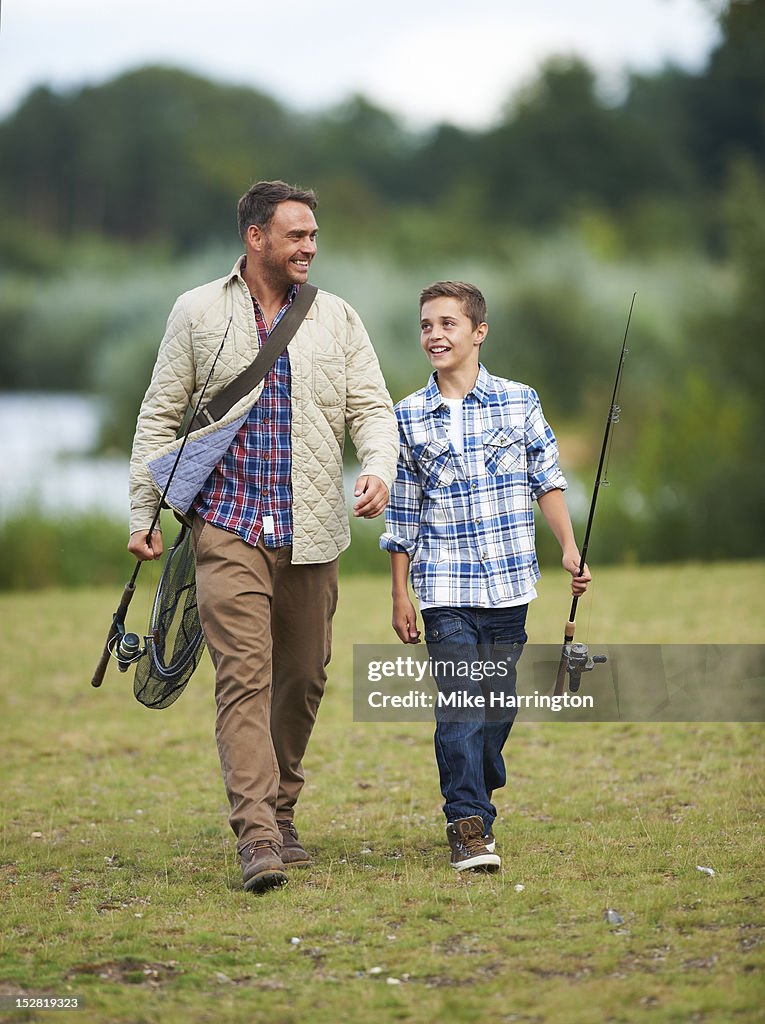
755 936
129 972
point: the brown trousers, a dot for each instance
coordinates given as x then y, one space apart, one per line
268 627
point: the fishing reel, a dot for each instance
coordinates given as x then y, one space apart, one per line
578 660
126 648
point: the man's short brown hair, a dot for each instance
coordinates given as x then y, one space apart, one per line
472 301
258 203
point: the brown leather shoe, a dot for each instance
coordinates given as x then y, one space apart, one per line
262 867
293 854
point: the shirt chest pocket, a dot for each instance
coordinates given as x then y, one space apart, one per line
329 381
504 450
436 463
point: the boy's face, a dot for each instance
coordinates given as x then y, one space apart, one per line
448 337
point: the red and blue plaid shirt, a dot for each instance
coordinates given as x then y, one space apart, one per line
249 492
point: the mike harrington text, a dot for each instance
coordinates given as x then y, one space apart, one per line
464 700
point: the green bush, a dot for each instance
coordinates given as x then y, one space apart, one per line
37 552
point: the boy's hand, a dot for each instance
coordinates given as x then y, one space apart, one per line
405 621
570 562
372 497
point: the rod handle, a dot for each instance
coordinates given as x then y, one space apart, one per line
100 672
560 679
118 619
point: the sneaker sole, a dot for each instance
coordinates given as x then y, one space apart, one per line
264 881
483 862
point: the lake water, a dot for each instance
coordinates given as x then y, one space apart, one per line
45 461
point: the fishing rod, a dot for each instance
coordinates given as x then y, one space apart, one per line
575 658
126 647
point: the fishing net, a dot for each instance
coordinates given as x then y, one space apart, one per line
175 642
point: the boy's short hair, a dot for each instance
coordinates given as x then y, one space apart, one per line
472 301
259 202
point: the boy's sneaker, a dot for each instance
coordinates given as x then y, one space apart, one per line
468 849
489 841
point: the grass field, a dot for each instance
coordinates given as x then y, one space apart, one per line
120 884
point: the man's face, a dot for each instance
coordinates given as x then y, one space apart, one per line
288 244
448 337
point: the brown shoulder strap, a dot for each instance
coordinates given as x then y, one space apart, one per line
276 343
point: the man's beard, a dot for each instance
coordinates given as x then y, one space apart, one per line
274 271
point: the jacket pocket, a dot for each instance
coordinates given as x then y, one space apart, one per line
205 345
504 450
329 381
436 464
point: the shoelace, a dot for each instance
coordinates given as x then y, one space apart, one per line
472 843
263 844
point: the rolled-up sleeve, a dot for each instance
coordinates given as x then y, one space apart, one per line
402 516
541 451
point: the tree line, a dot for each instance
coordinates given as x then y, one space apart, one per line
159 153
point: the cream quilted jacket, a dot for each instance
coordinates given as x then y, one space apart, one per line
336 381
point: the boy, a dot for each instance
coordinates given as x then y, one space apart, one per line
475 450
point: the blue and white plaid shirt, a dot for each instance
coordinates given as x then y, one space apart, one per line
466 520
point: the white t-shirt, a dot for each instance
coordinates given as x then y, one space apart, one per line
456 426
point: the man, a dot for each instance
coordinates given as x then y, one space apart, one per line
264 487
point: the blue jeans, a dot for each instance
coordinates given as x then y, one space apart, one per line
469 739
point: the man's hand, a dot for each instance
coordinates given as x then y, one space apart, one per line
405 620
570 562
372 495
145 547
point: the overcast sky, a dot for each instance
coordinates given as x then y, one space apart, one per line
428 60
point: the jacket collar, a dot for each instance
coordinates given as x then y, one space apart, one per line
482 390
236 270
